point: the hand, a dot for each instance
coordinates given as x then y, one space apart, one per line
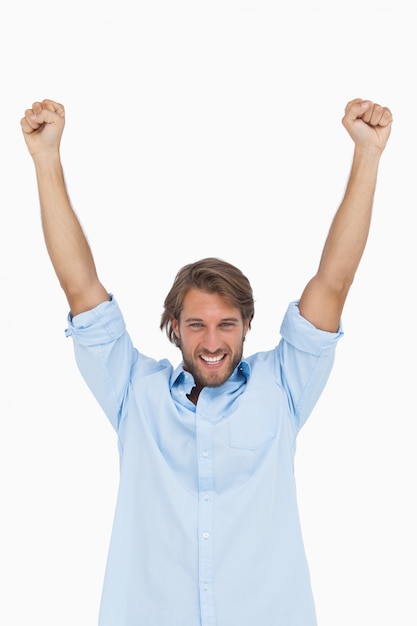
368 124
43 126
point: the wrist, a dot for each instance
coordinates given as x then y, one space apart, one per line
371 153
46 158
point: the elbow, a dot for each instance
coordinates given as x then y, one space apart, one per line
337 285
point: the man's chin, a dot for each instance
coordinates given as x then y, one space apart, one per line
204 378
213 385
214 380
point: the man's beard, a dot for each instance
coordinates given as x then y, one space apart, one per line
205 378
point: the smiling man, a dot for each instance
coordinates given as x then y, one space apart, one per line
208 320
206 529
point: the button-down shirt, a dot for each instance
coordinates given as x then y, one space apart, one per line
206 529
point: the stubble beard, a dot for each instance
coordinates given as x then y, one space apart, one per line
209 379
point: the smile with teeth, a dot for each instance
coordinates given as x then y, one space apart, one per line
212 360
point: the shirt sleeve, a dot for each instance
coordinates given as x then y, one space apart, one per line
306 357
104 354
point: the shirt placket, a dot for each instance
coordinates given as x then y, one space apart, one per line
205 518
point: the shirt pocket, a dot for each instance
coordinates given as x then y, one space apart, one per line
254 423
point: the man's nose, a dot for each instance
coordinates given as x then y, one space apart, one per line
211 341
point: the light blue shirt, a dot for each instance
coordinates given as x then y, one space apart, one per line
206 529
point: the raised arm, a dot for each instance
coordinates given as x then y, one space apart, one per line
66 243
322 301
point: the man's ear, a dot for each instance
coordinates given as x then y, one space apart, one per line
246 327
175 326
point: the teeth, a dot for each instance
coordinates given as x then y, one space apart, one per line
212 359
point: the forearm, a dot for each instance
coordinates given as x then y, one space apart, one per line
65 241
349 231
324 297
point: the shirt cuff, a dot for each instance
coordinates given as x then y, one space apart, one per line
304 336
102 324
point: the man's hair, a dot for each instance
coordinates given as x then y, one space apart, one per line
212 276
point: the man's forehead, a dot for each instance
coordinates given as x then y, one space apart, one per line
200 304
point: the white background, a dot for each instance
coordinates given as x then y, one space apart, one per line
195 129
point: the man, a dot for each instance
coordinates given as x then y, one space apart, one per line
206 529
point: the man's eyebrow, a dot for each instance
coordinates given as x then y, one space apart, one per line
200 319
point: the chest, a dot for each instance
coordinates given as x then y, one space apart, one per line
220 444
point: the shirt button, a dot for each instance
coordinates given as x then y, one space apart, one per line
205 454
205 586
206 497
206 535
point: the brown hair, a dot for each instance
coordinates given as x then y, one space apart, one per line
212 276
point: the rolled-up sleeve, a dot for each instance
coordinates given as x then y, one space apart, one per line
306 358
104 354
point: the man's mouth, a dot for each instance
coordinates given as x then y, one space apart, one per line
212 360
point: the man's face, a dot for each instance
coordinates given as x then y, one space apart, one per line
211 332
